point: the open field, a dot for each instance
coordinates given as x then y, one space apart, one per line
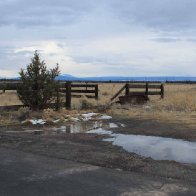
178 106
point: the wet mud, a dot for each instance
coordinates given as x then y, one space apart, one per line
72 143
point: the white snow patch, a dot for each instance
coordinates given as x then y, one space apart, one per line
122 125
88 116
39 121
105 117
113 125
56 121
75 119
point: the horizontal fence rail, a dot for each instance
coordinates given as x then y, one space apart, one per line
70 88
150 86
130 90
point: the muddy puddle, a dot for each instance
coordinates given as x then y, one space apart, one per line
158 148
72 127
86 126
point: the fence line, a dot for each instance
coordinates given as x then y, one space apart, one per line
68 90
147 87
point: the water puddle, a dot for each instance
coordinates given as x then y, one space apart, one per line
83 127
158 148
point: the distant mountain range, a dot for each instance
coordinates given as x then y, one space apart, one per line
120 78
67 77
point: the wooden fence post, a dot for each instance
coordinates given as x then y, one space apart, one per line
57 106
96 92
146 88
127 90
162 91
68 95
4 85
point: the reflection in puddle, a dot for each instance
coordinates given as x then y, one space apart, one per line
78 127
158 148
100 131
81 127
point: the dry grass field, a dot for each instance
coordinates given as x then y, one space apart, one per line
178 106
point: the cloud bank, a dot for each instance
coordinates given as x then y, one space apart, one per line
99 38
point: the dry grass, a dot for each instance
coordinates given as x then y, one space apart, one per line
178 106
9 98
7 118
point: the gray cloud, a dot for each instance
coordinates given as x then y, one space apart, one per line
43 12
109 36
159 14
166 40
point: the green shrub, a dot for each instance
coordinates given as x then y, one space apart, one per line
38 86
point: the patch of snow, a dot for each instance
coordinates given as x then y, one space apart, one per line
56 121
88 116
113 125
75 119
105 117
39 121
122 125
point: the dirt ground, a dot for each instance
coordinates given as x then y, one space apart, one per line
89 148
29 174
156 128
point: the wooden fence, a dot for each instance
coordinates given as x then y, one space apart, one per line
145 89
67 89
4 86
76 90
71 89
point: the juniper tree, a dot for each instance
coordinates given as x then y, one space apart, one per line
38 85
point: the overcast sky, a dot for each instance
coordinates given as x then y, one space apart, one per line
100 37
